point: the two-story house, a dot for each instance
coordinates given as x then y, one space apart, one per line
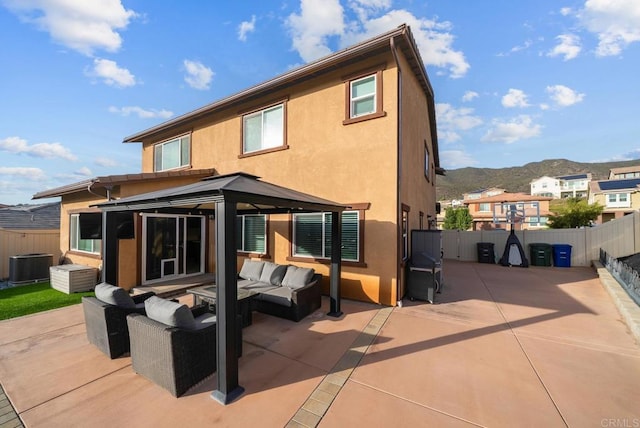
566 186
356 127
482 193
620 195
493 212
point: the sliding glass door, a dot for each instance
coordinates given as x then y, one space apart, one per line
173 246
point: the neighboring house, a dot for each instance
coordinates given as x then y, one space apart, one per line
624 172
619 197
493 211
28 229
482 193
576 185
356 127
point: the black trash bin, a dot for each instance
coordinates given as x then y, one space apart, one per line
486 253
540 254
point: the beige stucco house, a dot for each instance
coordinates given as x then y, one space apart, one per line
356 127
620 195
492 212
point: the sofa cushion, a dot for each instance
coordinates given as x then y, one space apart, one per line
251 270
256 286
280 296
273 273
113 295
205 320
297 277
173 314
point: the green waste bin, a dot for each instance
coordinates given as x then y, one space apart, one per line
540 254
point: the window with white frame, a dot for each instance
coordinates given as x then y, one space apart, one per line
618 200
263 129
312 235
363 96
251 233
172 154
484 206
426 162
83 245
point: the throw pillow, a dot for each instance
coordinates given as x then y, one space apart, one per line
273 273
173 314
113 295
297 277
251 270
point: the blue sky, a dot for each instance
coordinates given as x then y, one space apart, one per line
515 81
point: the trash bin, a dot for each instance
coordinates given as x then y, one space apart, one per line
540 254
562 255
486 253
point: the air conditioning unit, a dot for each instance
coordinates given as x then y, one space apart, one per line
73 278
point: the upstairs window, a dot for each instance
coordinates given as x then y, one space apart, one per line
263 130
363 97
618 200
484 206
172 154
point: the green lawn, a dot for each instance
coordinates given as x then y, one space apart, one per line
29 299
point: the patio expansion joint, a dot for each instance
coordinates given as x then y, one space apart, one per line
317 404
524 352
35 336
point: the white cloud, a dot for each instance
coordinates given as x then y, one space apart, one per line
568 46
105 162
452 159
246 27
515 98
312 27
198 75
518 128
112 74
140 112
84 26
434 39
564 96
451 120
615 22
565 11
33 174
544 106
469 95
41 150
83 172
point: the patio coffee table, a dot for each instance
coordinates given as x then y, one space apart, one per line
209 295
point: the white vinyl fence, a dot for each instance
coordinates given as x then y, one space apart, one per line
619 238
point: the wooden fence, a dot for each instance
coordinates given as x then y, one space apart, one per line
620 237
16 242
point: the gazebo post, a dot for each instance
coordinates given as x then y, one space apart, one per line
109 248
335 269
227 388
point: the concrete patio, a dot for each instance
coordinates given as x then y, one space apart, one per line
536 347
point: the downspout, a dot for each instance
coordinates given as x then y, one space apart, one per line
394 51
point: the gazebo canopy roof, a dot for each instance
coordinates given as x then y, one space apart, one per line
248 191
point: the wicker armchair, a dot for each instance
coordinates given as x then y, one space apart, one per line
172 357
107 324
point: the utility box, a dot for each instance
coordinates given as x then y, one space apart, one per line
73 278
29 268
486 254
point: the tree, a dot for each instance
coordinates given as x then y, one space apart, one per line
574 212
457 219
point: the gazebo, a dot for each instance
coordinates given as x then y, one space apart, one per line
224 197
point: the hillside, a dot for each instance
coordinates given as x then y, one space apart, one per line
517 179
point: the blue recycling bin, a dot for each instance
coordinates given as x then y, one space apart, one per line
562 255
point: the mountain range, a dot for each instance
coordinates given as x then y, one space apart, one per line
517 178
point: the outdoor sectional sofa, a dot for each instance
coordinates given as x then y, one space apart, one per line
285 291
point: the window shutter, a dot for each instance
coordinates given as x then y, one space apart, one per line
308 235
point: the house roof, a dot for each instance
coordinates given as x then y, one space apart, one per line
42 216
508 197
624 169
400 37
109 181
250 194
608 185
